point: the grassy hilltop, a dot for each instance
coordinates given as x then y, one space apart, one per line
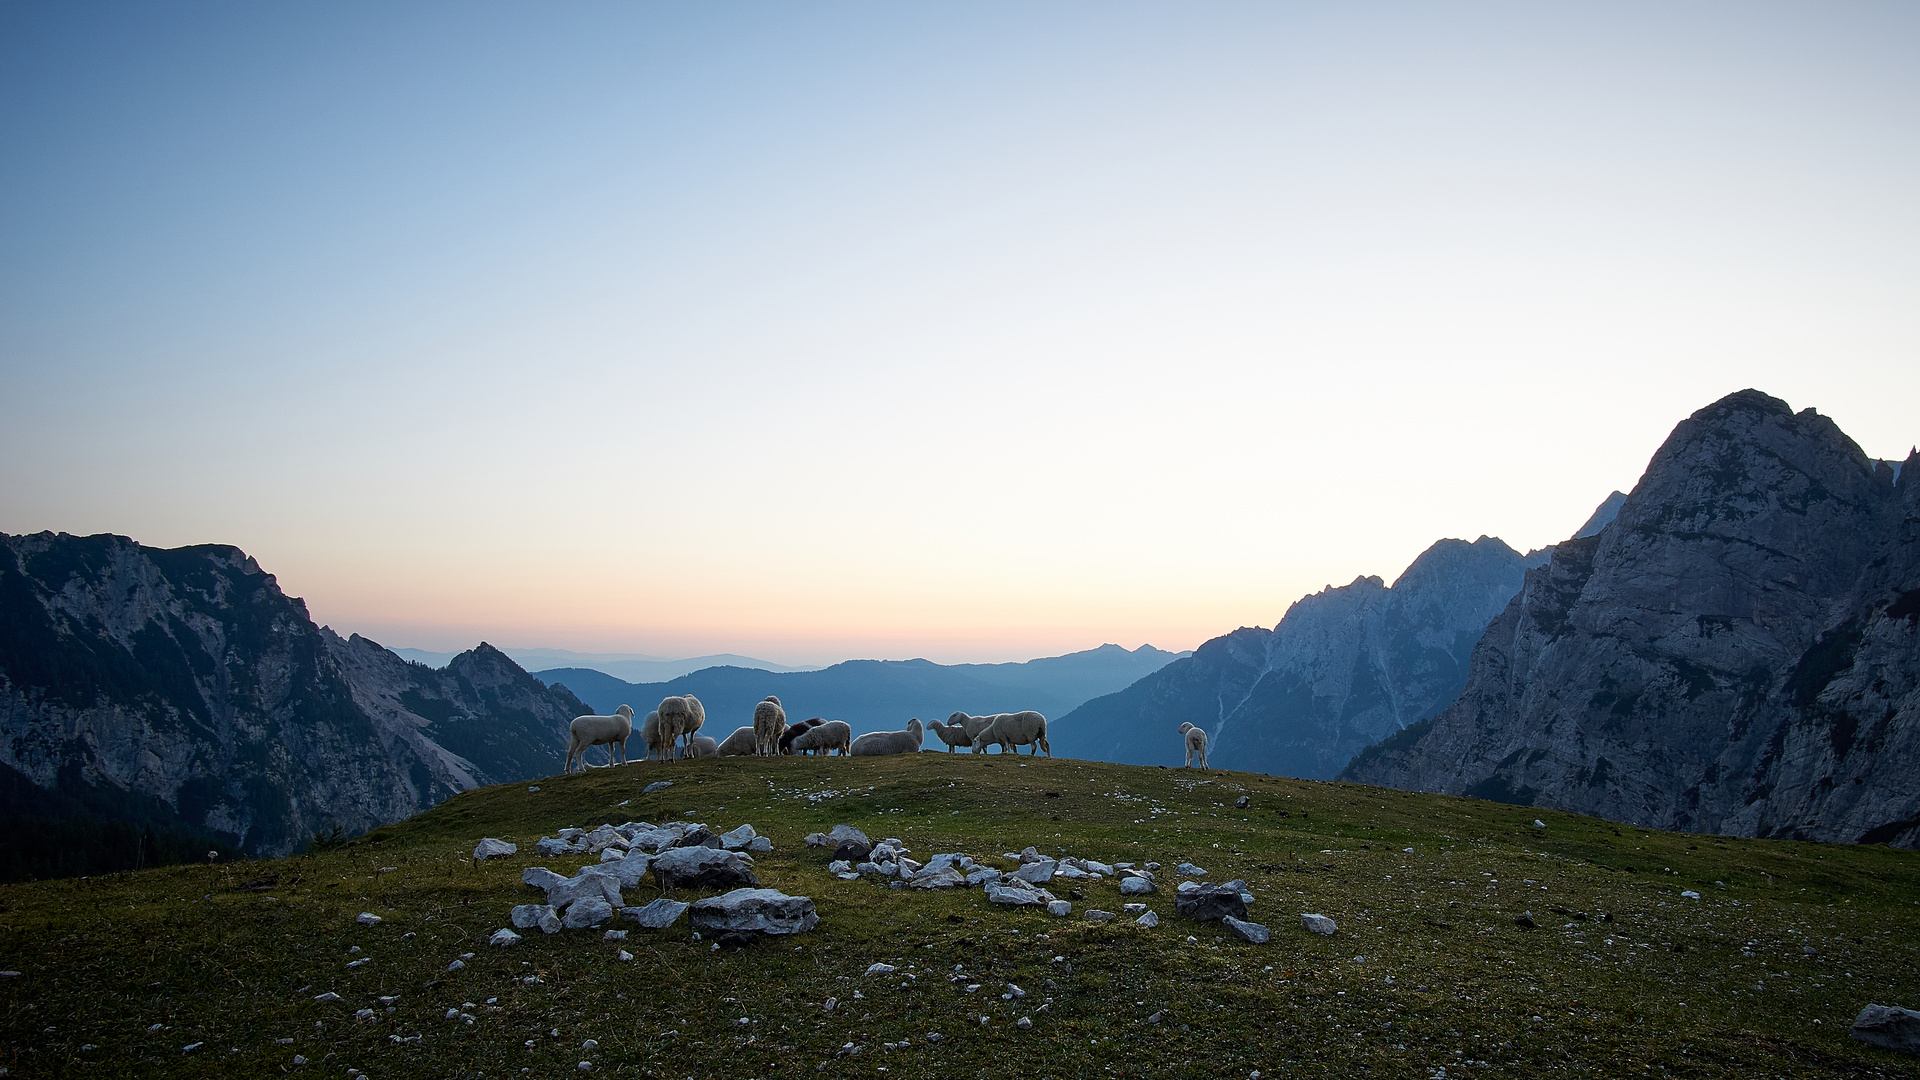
1620 975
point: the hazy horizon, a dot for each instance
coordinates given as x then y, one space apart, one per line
978 334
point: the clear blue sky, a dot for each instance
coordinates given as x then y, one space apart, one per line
968 331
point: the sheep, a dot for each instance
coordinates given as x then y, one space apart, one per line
1013 730
701 746
680 717
1196 744
769 720
952 734
609 731
878 743
972 725
793 732
826 736
653 736
738 744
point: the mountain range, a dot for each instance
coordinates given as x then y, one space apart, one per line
629 667
881 694
1738 651
180 694
1343 668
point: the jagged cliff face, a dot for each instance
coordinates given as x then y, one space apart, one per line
187 679
1735 652
1344 668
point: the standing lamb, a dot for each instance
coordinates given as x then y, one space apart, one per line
952 734
1015 729
972 725
653 736
793 732
1196 744
824 737
769 721
609 731
738 744
880 743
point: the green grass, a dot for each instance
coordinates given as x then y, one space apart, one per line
1620 977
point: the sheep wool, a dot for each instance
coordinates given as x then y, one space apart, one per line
609 731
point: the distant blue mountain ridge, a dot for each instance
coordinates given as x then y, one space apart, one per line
875 695
631 667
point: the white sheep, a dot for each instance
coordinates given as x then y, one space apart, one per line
653 736
972 725
680 717
701 746
609 731
879 743
1012 730
824 737
738 744
952 734
769 721
1196 744
793 732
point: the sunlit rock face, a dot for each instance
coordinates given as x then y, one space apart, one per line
183 689
1344 668
1735 652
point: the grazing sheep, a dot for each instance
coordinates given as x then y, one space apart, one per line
653 736
609 731
701 746
769 720
972 725
680 717
824 737
879 743
1196 744
793 732
952 734
738 744
1015 729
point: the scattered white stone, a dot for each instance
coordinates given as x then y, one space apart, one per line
1690 894
363 1014
191 1047
1148 920
614 935
1059 908
591 911
504 937
657 785
1133 909
299 1059
1096 915
367 918
623 955
359 962
1187 869
533 787
881 969
1407 850
457 965
766 911
590 1045
328 996
1250 932
1319 924
1037 872
1025 1023
1538 824
739 838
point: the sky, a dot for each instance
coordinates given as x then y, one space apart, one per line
975 332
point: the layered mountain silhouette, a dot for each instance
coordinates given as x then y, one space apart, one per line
1737 651
875 695
173 700
1344 667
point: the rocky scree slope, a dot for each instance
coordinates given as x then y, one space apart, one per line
182 686
1737 652
1344 668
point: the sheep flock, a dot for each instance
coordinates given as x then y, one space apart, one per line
671 731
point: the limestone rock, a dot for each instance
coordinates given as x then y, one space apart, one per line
1205 903
1251 932
765 911
489 848
1148 919
591 911
528 916
657 915
1136 886
703 868
1016 893
1037 872
1096 915
657 785
945 878
1319 924
504 937
1059 908
840 834
1889 1027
